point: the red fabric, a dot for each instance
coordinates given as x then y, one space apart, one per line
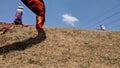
37 6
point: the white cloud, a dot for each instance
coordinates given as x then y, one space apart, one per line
68 18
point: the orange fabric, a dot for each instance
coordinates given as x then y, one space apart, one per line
40 21
38 7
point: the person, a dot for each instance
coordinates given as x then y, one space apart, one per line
18 16
5 28
38 7
102 27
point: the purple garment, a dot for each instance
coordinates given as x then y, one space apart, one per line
18 17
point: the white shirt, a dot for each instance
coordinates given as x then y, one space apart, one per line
19 10
102 27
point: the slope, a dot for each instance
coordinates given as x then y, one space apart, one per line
59 48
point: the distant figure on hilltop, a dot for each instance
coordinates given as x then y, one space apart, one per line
18 16
102 27
38 7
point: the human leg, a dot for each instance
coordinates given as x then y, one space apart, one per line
40 21
38 7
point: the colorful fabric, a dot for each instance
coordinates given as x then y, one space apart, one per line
38 7
40 21
18 16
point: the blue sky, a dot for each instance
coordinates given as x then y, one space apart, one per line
84 14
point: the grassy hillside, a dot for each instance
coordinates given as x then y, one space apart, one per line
59 48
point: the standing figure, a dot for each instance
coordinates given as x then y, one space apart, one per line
38 7
18 16
102 27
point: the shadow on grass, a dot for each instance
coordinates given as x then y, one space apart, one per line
25 43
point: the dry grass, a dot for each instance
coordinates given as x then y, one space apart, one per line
59 48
